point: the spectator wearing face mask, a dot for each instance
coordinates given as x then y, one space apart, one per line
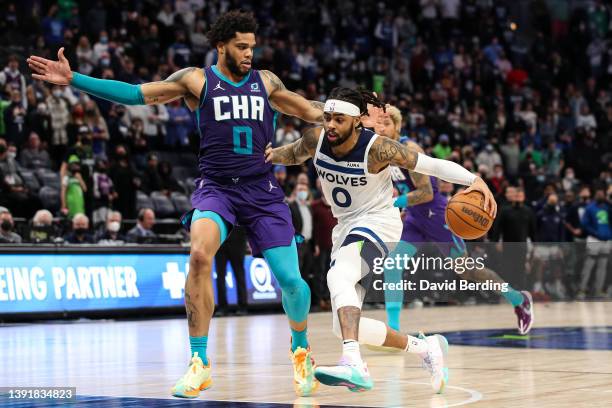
511 153
13 192
103 190
42 230
124 179
323 224
11 76
111 233
514 224
301 215
7 236
60 116
490 158
14 118
80 231
550 231
280 173
179 125
73 191
569 182
596 223
442 150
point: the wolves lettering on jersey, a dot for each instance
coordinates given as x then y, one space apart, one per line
236 122
342 179
346 182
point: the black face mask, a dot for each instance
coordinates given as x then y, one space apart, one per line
2 149
6 225
80 231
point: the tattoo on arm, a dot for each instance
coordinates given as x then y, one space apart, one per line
386 151
178 75
167 90
277 84
423 192
318 106
298 151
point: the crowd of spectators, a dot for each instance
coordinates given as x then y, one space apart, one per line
519 92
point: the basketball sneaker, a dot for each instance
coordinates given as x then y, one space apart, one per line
355 377
435 361
196 379
524 313
304 381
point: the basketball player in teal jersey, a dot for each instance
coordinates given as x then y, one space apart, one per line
235 107
424 222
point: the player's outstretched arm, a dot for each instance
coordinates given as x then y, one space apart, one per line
386 152
182 83
297 152
290 103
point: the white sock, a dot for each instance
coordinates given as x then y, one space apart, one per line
416 345
350 350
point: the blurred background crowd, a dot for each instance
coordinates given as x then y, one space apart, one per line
518 91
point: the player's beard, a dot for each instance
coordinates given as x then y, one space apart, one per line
341 138
233 66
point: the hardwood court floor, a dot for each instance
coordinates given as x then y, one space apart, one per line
250 360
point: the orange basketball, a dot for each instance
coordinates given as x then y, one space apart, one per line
466 217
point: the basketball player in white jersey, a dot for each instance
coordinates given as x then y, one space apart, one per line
353 164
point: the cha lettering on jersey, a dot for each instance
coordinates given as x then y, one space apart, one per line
239 107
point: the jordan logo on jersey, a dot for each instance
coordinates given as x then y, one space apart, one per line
218 87
239 107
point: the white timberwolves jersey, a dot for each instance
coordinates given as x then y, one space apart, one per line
348 186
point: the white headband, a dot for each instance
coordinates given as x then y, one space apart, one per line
338 106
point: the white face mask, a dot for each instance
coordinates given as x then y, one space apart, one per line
302 195
114 226
12 155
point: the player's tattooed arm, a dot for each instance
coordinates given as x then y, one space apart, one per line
296 152
423 193
385 152
186 83
290 103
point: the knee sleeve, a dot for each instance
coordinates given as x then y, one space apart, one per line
372 332
342 278
284 263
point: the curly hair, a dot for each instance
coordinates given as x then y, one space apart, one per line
226 26
360 97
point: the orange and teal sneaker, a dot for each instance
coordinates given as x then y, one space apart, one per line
304 381
196 379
